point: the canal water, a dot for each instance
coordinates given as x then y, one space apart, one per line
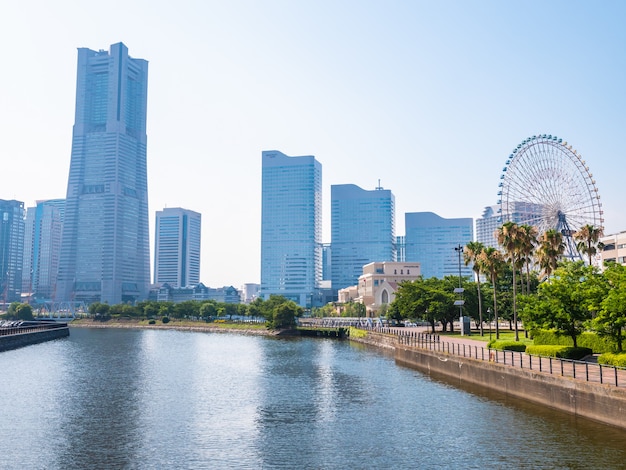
155 399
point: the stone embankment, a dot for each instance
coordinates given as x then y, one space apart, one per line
600 402
27 335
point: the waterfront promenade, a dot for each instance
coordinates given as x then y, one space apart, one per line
587 370
471 347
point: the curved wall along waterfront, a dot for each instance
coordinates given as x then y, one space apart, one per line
21 339
603 403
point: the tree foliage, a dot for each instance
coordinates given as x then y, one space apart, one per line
565 303
610 319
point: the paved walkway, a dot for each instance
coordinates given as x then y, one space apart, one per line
474 348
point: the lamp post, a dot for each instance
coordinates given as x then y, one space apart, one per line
459 290
489 313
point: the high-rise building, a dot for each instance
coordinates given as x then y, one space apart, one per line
42 248
105 253
11 250
291 228
431 240
492 220
362 231
177 247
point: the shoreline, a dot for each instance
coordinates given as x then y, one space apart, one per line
173 325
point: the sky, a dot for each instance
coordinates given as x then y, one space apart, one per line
425 98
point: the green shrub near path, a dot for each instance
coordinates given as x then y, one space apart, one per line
504 345
612 359
560 351
587 339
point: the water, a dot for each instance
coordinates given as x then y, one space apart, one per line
148 399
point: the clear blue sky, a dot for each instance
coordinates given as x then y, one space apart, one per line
429 97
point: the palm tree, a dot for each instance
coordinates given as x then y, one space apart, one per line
551 248
508 237
470 254
491 261
527 244
588 238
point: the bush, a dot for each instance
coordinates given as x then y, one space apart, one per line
151 322
506 345
613 359
587 339
165 319
560 351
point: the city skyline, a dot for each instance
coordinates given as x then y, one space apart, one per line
427 97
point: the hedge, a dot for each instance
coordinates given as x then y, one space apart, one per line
504 345
598 344
613 359
560 351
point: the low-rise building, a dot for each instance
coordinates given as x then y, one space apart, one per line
614 249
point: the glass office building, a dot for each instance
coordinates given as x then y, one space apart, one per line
42 248
291 228
362 231
105 253
11 250
431 240
177 247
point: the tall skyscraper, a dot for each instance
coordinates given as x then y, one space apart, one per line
431 240
291 227
362 231
11 250
105 254
42 248
177 247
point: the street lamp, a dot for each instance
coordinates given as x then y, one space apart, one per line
489 313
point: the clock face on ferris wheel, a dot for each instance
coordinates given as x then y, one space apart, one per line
547 184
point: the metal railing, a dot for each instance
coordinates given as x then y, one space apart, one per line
29 328
581 370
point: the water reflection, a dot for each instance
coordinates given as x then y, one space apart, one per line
169 399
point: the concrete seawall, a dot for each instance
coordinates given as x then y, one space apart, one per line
20 340
603 403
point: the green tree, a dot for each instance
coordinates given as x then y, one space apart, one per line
527 241
509 237
550 250
588 240
208 310
188 308
471 254
566 302
285 315
429 299
99 310
492 261
24 312
610 319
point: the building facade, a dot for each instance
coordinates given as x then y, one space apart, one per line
11 251
378 283
362 231
291 228
431 240
177 247
42 249
105 253
613 249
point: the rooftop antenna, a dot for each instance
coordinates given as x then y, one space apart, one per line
379 186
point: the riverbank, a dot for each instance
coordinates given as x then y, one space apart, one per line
599 402
181 325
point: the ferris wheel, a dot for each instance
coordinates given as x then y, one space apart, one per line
547 184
